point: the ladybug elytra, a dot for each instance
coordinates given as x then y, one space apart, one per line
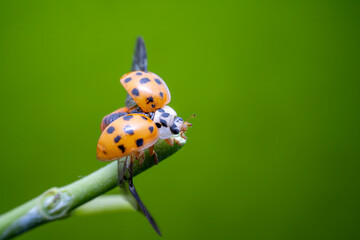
147 89
129 135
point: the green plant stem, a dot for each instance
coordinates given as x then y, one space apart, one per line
107 203
58 203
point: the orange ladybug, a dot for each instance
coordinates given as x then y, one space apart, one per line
165 118
147 89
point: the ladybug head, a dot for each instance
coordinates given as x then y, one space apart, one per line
169 123
180 126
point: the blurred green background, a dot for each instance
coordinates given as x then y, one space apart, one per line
273 154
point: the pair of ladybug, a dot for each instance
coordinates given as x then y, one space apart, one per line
129 131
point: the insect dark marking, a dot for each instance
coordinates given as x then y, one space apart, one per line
113 117
161 95
127 80
158 125
165 115
128 129
149 100
135 92
178 119
144 80
153 105
163 122
122 148
104 152
144 118
139 73
174 129
139 142
161 110
157 81
110 130
151 129
128 117
117 139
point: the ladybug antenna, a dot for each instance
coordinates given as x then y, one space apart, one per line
190 117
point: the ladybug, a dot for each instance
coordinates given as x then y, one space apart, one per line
165 118
147 89
131 134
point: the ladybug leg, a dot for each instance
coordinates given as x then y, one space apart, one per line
153 153
131 166
141 157
177 142
183 135
121 171
170 141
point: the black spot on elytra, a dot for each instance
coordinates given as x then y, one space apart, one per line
127 80
144 80
165 115
157 81
149 100
151 129
161 110
158 125
128 129
128 117
135 92
139 73
117 139
153 105
144 118
163 122
110 129
104 152
161 95
122 148
139 142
